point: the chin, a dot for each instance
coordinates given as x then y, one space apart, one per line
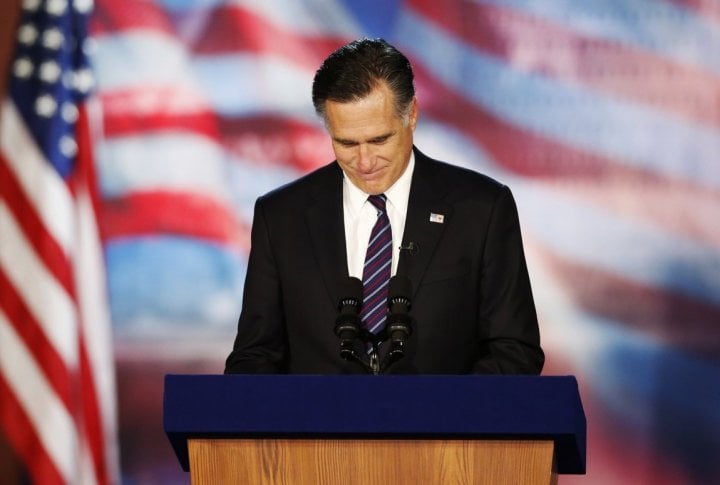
372 187
373 190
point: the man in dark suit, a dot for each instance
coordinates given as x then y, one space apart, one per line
455 234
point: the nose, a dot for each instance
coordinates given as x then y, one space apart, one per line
364 158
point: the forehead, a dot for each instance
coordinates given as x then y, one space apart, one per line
371 116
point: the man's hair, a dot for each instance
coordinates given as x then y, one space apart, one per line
356 69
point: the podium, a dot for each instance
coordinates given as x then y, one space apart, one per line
309 429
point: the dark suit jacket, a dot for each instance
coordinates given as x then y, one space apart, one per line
472 303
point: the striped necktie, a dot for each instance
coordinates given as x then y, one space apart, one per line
377 268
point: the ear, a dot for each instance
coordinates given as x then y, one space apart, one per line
413 114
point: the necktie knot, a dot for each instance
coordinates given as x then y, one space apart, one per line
378 201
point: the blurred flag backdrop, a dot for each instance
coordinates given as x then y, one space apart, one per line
603 116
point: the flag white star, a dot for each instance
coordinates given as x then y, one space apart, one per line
45 105
53 38
83 6
27 34
68 147
83 80
50 71
23 68
30 5
69 112
56 7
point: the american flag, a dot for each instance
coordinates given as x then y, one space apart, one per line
603 116
57 390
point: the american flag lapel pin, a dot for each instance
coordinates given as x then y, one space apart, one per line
437 218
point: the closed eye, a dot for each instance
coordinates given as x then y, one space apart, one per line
380 139
346 143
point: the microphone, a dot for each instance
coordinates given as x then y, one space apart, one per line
399 323
412 248
347 324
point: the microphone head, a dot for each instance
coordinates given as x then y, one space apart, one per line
351 292
399 290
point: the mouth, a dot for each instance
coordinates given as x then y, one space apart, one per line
370 176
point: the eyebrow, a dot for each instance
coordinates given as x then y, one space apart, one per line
382 137
375 139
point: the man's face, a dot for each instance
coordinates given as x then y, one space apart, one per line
370 140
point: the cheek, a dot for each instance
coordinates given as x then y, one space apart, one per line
393 153
343 156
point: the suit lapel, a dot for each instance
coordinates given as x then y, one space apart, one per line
425 221
324 218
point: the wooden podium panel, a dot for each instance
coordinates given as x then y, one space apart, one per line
369 462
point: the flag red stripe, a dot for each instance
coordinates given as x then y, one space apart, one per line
114 17
85 175
710 9
273 139
91 417
678 319
84 181
263 139
44 244
233 29
154 108
678 207
29 330
23 437
167 212
551 49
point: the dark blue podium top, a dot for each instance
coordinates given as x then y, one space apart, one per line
371 407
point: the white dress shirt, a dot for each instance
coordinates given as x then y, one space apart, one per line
360 216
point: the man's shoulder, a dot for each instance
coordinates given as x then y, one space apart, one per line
308 185
456 178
